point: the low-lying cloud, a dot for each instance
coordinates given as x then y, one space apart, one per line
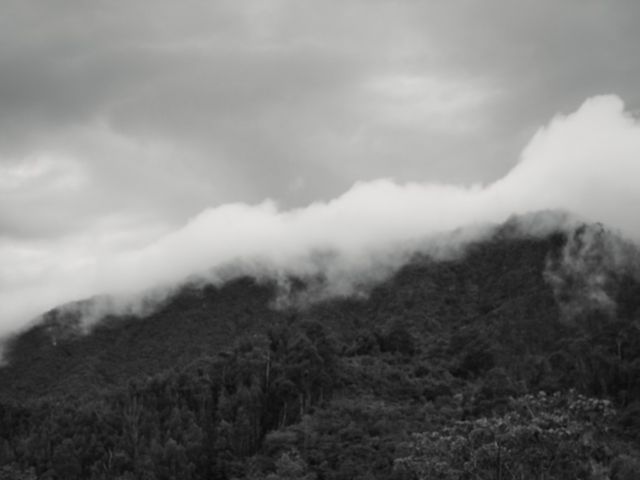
586 163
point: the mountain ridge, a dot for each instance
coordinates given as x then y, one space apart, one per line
60 336
337 388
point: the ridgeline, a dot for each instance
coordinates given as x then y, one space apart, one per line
504 363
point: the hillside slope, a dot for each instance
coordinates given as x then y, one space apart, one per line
217 383
501 279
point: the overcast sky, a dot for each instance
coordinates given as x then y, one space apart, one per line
121 122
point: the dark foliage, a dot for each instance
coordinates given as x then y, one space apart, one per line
436 374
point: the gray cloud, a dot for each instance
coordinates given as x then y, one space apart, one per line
585 163
119 121
294 100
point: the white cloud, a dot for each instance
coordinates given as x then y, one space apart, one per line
587 162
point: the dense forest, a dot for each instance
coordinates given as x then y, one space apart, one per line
518 360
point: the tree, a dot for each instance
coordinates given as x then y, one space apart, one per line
290 466
552 437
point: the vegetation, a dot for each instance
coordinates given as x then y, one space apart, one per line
466 369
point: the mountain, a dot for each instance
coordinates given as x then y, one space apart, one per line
527 344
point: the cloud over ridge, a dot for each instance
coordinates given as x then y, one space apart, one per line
586 163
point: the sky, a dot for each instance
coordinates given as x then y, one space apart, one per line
142 140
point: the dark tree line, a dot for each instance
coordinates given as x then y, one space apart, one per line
466 369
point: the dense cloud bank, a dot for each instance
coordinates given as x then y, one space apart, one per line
586 163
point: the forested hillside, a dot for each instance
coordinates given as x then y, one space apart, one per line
518 360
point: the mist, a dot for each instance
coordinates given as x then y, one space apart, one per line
586 163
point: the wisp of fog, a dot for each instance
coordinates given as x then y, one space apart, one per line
586 163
